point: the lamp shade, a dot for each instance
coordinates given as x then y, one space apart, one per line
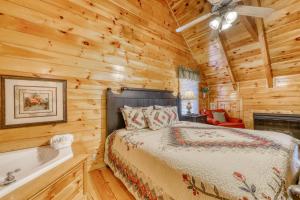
188 95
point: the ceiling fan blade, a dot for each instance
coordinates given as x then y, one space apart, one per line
253 11
193 23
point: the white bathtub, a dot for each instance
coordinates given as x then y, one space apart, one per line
32 163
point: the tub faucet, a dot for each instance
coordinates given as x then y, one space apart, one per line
10 178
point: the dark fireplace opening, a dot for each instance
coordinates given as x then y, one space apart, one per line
284 123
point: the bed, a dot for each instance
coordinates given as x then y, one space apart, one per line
196 161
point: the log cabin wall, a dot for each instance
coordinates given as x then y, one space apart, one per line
246 61
93 44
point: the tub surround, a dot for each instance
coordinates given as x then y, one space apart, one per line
27 164
68 178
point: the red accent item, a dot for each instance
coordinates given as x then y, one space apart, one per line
230 121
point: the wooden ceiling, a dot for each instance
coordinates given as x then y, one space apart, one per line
246 45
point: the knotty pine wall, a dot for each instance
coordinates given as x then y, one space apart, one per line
246 60
252 95
93 44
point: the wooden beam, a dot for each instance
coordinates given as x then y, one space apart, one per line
265 51
262 39
223 51
249 22
250 26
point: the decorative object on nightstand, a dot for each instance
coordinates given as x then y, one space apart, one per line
188 95
195 118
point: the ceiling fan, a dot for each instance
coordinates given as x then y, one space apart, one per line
225 13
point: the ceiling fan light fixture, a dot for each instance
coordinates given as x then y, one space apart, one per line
215 23
230 16
225 25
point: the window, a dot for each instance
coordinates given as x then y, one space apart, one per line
187 85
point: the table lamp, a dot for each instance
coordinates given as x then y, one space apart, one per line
189 95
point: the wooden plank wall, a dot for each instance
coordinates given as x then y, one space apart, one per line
252 95
284 97
94 44
283 33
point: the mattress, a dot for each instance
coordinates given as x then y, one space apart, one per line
200 161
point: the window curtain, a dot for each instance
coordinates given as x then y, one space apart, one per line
189 81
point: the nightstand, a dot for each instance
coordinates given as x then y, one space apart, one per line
195 118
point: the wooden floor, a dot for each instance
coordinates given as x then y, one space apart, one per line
103 185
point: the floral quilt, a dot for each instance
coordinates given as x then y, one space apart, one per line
198 161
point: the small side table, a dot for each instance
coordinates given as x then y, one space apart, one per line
198 118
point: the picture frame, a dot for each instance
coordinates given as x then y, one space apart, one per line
212 106
30 101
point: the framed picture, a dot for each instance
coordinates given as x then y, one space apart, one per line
32 101
213 106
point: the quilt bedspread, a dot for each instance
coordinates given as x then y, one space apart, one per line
199 161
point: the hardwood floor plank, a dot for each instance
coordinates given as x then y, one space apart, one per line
103 185
118 188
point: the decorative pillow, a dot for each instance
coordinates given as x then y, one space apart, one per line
134 117
157 118
219 116
174 113
172 110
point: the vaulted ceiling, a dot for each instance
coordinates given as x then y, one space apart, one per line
243 44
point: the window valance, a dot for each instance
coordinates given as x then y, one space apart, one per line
187 73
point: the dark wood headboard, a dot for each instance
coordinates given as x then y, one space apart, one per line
134 97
